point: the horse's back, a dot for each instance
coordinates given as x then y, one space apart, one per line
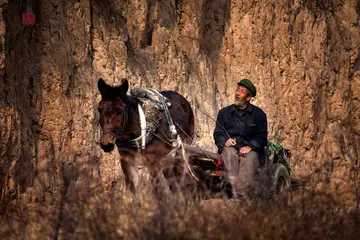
175 97
181 113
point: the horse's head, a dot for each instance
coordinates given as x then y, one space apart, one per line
112 109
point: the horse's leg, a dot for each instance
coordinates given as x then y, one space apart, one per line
129 166
157 177
172 174
182 180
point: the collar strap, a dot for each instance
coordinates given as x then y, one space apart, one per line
144 138
141 140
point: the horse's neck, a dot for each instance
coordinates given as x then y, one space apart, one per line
133 119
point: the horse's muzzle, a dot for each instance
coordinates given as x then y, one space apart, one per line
107 147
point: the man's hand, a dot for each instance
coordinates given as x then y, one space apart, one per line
244 150
230 142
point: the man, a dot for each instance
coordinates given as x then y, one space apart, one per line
241 136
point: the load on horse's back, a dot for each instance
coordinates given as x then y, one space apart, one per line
145 126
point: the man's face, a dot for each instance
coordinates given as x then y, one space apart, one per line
242 95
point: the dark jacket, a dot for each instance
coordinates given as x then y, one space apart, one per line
248 127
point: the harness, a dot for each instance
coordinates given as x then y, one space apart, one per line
145 137
150 98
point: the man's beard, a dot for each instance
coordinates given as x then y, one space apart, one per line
242 103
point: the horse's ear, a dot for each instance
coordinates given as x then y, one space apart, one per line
121 91
102 86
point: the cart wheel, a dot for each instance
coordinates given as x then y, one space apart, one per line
280 182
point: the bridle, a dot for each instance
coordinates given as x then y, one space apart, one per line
118 132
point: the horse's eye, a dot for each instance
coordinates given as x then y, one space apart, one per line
119 113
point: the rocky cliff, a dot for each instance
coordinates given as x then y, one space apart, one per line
303 56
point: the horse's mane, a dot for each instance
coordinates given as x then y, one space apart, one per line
131 101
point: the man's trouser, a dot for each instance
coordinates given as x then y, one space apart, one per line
241 170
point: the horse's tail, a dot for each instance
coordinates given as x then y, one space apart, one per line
191 128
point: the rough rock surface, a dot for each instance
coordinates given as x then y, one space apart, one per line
303 56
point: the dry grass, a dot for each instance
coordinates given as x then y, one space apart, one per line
105 215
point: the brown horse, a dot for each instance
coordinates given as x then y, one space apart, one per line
120 124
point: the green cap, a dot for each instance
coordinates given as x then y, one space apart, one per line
249 85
